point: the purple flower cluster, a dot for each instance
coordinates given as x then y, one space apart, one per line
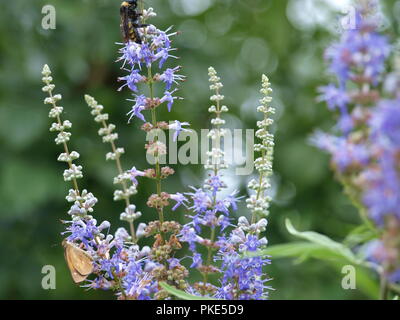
155 49
211 213
243 277
145 63
382 178
211 227
366 154
116 265
359 57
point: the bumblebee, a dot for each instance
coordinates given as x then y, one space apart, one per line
130 21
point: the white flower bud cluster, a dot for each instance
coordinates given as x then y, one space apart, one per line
215 133
83 203
60 127
108 136
106 132
256 228
130 214
258 206
68 157
259 202
114 155
213 109
74 172
217 122
125 176
256 185
216 156
121 194
62 137
55 112
239 237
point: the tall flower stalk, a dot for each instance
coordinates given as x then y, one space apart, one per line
216 163
144 63
211 209
259 201
243 277
365 152
240 276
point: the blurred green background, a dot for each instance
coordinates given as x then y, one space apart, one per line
242 39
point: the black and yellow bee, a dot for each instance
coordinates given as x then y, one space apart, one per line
130 21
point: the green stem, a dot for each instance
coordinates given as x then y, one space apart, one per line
384 288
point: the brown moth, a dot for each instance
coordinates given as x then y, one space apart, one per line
79 262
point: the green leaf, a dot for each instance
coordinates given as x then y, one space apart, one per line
359 235
301 249
181 294
324 242
288 249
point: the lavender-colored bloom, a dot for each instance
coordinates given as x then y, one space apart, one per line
85 230
169 99
344 153
178 127
156 47
135 173
367 153
385 124
224 222
201 200
121 236
361 48
232 200
215 183
180 200
132 80
247 273
394 277
333 96
220 206
173 263
112 259
382 196
138 107
170 77
188 234
197 260
345 123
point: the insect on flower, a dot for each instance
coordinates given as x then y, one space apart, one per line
130 21
79 262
